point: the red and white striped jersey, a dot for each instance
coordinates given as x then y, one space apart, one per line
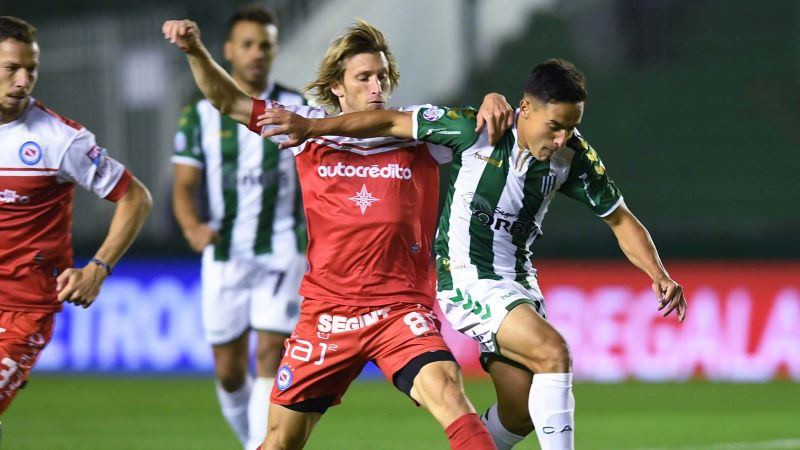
370 208
43 156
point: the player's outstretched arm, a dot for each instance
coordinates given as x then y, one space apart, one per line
217 86
81 286
363 124
638 246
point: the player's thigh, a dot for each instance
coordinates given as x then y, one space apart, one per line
527 338
275 303
225 298
23 335
288 429
512 385
318 363
503 316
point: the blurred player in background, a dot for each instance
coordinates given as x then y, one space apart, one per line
44 156
371 211
497 199
254 244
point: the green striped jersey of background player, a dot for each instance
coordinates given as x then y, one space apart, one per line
253 192
498 195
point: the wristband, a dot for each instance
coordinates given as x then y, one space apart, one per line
101 264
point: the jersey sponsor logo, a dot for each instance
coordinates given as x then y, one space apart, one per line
497 219
390 171
432 114
284 377
340 324
9 196
363 199
30 153
495 162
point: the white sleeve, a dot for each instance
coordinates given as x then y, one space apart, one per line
88 165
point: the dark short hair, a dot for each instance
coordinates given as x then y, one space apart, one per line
16 28
252 13
556 81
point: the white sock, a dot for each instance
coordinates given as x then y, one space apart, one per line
552 408
257 409
503 439
234 407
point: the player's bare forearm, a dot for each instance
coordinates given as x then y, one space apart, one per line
218 87
215 84
129 216
81 286
365 124
635 242
184 204
185 208
638 246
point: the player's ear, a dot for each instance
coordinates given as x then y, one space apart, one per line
337 89
525 107
227 50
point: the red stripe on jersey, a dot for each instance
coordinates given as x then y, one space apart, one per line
121 188
28 169
58 116
259 106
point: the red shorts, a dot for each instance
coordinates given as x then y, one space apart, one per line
332 343
23 335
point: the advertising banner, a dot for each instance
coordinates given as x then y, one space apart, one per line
743 322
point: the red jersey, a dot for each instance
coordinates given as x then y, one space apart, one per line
370 208
44 155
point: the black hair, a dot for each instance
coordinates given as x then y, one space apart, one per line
16 28
252 13
556 81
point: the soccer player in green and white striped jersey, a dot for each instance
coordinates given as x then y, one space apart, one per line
496 202
254 243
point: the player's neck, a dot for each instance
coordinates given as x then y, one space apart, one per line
8 116
251 89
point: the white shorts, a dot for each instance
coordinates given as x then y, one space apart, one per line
477 308
244 293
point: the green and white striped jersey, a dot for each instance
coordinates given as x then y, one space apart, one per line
498 196
253 191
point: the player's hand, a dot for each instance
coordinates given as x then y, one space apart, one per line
496 114
670 296
80 286
279 121
200 236
183 33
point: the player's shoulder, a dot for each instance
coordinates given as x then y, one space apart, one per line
40 116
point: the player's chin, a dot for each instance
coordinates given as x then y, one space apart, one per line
376 105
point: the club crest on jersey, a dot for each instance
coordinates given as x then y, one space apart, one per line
30 153
433 114
284 377
363 199
548 183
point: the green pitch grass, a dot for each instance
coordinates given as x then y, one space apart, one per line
90 412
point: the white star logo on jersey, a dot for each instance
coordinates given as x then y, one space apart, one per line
363 199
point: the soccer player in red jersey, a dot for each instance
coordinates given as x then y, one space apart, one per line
371 211
44 156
